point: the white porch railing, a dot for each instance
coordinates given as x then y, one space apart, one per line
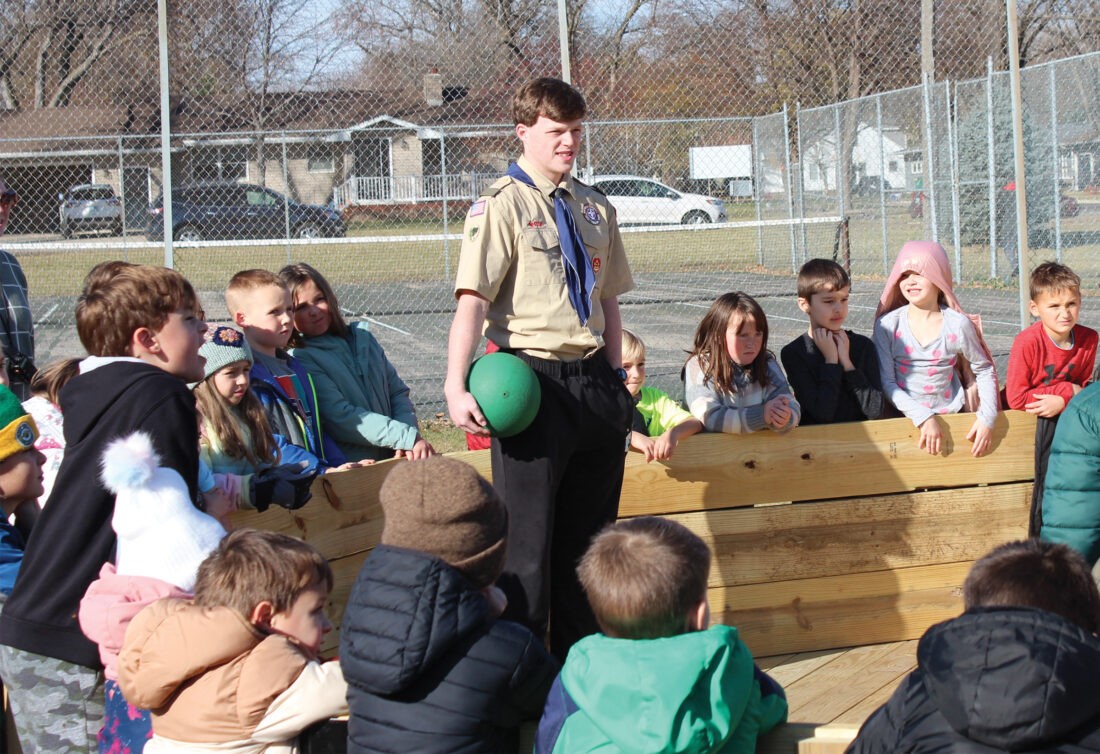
403 189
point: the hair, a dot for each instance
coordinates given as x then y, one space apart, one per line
251 566
222 421
710 340
294 276
120 298
247 281
550 97
49 380
643 577
633 347
819 275
1034 573
103 272
1051 277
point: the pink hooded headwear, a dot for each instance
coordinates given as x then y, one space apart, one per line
929 259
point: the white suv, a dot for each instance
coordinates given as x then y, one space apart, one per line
644 201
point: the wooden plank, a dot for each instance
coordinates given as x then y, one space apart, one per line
827 694
829 739
810 463
785 542
344 571
841 611
799 664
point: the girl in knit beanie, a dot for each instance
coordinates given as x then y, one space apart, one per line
235 438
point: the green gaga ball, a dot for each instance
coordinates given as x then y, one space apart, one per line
507 392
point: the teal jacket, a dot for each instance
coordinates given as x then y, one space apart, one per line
1071 490
364 405
694 693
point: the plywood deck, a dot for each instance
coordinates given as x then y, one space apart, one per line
831 692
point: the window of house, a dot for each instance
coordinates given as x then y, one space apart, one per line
319 159
892 166
223 163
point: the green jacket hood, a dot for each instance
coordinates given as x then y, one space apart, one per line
686 693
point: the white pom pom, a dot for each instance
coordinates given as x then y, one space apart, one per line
129 462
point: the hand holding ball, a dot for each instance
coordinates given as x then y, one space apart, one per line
506 390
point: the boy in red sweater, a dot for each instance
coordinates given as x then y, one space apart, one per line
1049 363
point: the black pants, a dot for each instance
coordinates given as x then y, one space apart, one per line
1044 435
560 479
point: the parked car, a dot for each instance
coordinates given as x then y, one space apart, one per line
644 201
88 207
206 211
870 185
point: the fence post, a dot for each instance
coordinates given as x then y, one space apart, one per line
882 184
929 163
758 189
1054 161
953 154
286 197
165 133
1022 241
838 150
446 215
122 185
789 180
801 175
991 153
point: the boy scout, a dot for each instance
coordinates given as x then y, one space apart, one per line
541 268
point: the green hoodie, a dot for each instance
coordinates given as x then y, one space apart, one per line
697 692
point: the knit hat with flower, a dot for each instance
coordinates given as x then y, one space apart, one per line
224 345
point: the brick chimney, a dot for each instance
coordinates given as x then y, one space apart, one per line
433 88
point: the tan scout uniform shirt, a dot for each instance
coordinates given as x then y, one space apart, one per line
512 257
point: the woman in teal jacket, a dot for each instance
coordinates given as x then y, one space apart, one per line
364 404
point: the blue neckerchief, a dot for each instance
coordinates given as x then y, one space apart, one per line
579 278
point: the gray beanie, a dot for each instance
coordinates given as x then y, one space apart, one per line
224 345
444 508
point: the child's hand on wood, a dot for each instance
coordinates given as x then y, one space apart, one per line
931 436
777 412
982 437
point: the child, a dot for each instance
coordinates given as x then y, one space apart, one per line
659 422
430 666
43 406
162 539
142 326
656 679
1049 363
364 404
923 337
260 304
236 443
236 669
1016 672
732 382
833 371
20 481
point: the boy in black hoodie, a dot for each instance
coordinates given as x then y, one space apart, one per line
143 328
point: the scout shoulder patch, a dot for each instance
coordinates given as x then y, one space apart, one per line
477 208
591 214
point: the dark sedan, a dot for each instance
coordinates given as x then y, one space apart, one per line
210 211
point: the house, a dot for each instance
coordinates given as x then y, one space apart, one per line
878 157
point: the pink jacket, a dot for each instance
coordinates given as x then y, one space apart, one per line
110 604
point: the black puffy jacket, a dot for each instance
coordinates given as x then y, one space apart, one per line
429 669
994 680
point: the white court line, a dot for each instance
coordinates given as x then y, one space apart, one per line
388 327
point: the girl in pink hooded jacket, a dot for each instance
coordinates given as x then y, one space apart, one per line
931 353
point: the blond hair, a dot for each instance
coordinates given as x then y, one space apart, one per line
633 347
246 282
251 566
49 380
120 298
643 577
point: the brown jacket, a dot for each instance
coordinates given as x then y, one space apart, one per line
214 682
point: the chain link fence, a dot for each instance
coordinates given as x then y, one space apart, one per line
736 140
